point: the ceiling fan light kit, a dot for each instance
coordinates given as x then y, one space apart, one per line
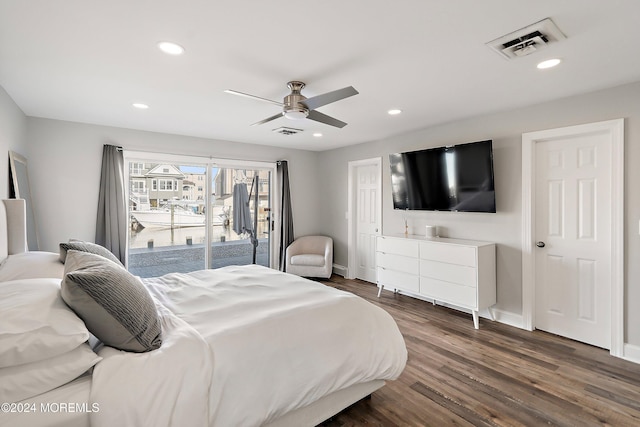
296 113
296 106
293 109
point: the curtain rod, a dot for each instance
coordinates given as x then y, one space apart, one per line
118 148
210 156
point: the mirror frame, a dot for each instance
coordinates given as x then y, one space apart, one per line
15 159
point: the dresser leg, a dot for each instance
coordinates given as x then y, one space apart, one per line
380 287
476 320
491 316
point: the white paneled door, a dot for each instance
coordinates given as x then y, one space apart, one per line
367 219
573 237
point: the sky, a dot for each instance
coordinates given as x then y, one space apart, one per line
193 169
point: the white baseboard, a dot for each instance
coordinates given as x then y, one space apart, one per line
340 270
508 318
631 353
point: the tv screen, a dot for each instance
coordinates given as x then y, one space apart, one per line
453 178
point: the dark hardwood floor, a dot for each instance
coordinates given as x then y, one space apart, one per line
495 376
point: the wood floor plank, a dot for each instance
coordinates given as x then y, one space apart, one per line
494 376
504 405
452 405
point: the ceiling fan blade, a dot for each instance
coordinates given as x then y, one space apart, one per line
268 119
246 95
327 120
329 97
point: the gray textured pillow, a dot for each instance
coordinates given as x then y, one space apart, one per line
114 304
92 248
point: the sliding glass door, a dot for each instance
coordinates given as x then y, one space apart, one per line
186 215
167 230
240 226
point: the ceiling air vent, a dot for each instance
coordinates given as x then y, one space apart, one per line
287 131
527 40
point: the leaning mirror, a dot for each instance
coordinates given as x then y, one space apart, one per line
20 190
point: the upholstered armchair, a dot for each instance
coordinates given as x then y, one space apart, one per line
310 256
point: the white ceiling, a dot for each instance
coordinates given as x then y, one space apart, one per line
89 60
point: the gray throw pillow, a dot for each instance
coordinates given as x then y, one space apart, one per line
114 304
92 248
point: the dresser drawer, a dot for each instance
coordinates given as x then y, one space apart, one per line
397 262
455 294
460 274
397 246
399 280
452 254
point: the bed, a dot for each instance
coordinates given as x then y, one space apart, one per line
240 345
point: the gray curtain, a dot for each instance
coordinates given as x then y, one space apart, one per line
286 215
111 225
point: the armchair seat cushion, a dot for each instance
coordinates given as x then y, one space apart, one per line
310 256
308 259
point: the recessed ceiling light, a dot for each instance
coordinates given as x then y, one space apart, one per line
171 48
140 106
317 134
549 63
394 112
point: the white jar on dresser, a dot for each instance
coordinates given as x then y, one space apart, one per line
457 272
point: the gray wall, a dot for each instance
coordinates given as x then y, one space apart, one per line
504 227
64 166
13 128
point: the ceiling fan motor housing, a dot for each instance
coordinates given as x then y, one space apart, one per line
292 107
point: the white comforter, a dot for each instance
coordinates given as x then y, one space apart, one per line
274 343
164 387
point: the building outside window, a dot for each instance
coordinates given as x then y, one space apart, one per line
137 168
138 186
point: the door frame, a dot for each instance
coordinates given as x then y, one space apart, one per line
352 210
615 130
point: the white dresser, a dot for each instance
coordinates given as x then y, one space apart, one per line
457 272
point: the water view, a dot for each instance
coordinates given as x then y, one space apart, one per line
171 207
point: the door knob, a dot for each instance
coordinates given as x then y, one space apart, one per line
540 244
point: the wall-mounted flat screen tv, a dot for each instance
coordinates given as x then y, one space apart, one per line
452 178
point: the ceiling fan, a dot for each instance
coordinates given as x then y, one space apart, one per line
296 106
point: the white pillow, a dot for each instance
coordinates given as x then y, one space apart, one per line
31 265
36 324
24 381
